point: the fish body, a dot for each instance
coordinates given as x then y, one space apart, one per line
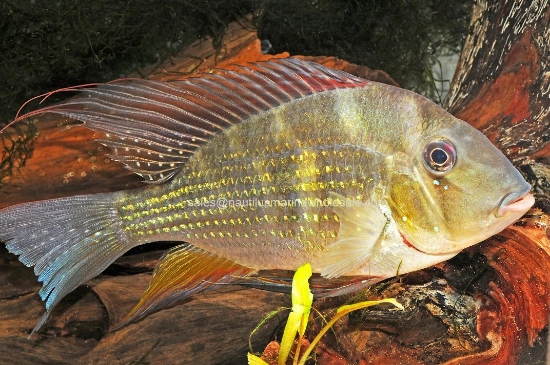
263 193
280 164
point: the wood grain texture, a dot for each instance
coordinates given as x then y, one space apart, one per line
488 305
212 328
501 87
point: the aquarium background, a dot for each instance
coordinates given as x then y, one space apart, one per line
49 44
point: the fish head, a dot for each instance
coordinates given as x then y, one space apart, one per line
459 189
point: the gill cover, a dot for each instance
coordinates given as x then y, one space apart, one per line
451 195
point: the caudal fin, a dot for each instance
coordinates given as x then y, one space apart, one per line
67 240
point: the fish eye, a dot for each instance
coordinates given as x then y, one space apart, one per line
439 156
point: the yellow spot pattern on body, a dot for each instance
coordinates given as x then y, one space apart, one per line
185 209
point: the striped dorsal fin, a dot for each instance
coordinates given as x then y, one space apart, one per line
154 127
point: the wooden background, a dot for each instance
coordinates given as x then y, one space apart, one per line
488 305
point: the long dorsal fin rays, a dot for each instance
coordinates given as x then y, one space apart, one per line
154 127
361 225
183 271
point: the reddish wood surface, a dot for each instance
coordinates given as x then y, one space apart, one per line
212 328
489 305
501 87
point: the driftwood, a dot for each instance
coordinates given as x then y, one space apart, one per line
213 328
488 305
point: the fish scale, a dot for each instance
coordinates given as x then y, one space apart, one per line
209 226
266 168
313 167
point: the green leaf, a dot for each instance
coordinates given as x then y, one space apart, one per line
340 312
262 322
255 360
302 298
368 303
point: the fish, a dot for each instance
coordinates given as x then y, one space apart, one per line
264 168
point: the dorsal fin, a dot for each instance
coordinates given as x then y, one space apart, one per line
153 127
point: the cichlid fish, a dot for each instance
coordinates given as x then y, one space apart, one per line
265 168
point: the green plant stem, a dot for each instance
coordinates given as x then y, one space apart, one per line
297 352
342 311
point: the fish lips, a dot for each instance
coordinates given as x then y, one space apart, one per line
516 202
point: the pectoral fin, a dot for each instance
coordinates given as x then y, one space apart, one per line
182 271
361 225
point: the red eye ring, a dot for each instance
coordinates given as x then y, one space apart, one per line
439 156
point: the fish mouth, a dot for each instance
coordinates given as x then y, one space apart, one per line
516 202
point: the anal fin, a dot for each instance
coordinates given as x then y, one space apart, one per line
183 271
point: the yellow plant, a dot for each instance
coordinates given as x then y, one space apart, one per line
302 298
